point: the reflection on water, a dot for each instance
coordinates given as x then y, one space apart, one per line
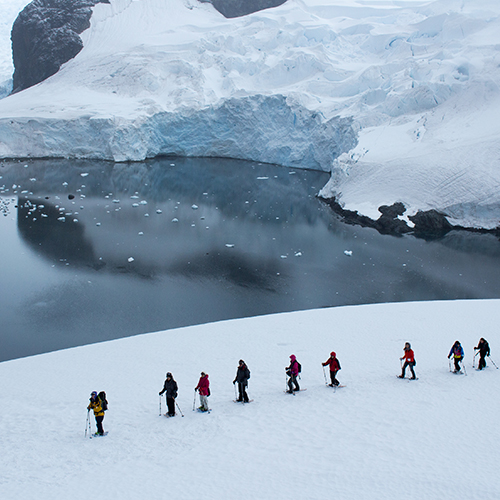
94 251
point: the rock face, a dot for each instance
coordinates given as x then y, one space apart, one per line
237 8
45 35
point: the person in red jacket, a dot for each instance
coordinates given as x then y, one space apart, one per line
334 368
409 358
293 372
203 389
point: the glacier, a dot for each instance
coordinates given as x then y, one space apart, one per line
399 100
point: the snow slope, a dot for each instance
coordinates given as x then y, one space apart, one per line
400 98
9 9
378 438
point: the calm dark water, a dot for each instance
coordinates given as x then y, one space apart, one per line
92 251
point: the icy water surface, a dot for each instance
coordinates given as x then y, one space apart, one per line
92 251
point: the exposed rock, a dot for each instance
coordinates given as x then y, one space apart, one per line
388 222
431 223
237 8
45 35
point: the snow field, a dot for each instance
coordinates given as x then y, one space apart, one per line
379 437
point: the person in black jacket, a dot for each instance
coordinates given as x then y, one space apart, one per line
242 376
484 350
170 390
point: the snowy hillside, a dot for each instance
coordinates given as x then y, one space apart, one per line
9 9
436 438
401 98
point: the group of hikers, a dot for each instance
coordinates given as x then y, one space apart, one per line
99 404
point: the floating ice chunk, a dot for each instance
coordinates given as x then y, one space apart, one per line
230 245
144 202
194 207
141 233
98 224
134 197
348 253
146 215
131 259
62 219
75 220
298 254
172 164
262 178
116 201
135 204
84 174
44 215
33 179
175 219
158 211
284 256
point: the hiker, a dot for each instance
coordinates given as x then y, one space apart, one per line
203 389
409 358
242 376
458 354
170 390
97 405
334 368
293 372
484 350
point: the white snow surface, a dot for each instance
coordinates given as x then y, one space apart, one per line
379 437
9 9
400 98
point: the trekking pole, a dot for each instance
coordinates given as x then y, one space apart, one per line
449 363
235 394
494 364
87 422
474 360
160 408
89 425
463 366
194 400
324 375
179 408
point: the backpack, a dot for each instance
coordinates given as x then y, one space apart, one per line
299 366
103 401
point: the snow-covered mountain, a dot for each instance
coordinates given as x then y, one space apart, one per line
400 98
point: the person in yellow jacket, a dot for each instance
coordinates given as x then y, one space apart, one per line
96 405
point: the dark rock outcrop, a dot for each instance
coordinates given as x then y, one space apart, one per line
428 225
388 222
45 35
237 8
